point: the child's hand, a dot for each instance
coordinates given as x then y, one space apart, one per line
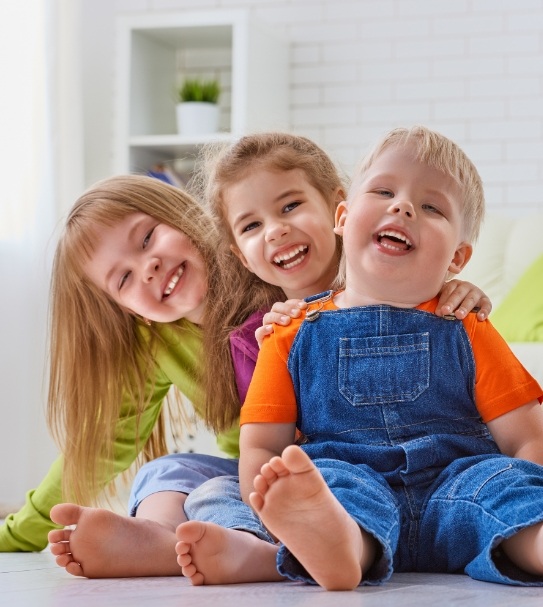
280 314
460 298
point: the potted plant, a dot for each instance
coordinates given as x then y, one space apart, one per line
197 107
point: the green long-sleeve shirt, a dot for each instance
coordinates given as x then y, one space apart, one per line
177 362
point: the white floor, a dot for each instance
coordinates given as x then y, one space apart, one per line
29 580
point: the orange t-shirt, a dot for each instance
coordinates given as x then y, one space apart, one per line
501 382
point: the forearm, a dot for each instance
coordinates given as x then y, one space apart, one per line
258 443
250 463
519 433
531 451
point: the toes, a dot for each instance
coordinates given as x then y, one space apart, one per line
75 569
188 570
256 501
184 560
66 514
268 473
182 548
261 484
59 548
296 460
197 579
59 535
190 532
63 560
55 536
277 466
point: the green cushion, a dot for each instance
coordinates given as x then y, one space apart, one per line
520 315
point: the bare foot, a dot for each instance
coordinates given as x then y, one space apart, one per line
104 544
296 505
210 554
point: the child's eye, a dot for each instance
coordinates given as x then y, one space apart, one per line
147 237
430 208
123 280
291 206
250 226
386 193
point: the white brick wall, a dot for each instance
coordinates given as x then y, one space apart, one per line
472 69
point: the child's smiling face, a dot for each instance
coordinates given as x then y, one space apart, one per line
150 269
283 230
402 230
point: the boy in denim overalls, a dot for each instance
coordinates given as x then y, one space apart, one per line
423 436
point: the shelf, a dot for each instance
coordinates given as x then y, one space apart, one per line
176 145
155 52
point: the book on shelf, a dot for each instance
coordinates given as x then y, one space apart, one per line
167 174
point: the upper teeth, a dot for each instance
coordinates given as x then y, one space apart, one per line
174 280
397 235
286 256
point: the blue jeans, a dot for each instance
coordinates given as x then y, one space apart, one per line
180 472
453 526
386 401
219 501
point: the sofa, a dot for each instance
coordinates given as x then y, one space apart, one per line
507 263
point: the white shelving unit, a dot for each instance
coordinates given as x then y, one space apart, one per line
156 51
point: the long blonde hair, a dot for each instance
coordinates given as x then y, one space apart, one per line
242 291
98 352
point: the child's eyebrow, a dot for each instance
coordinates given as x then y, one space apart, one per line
241 218
277 199
134 229
109 275
288 194
373 180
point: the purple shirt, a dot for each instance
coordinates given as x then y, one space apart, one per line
244 350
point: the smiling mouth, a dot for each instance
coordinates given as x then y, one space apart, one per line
391 239
174 280
293 258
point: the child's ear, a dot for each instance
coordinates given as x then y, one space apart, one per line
341 214
461 257
240 256
340 195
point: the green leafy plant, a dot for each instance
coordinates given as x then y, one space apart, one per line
195 89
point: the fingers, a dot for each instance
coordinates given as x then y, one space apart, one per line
485 307
282 313
278 318
460 298
284 307
261 333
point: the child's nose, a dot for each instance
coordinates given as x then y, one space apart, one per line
277 230
403 208
151 269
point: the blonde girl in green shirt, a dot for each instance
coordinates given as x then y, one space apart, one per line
133 271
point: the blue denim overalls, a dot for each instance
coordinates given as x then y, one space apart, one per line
400 443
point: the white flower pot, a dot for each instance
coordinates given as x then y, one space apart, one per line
197 118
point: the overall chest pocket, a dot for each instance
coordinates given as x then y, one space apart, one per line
383 370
